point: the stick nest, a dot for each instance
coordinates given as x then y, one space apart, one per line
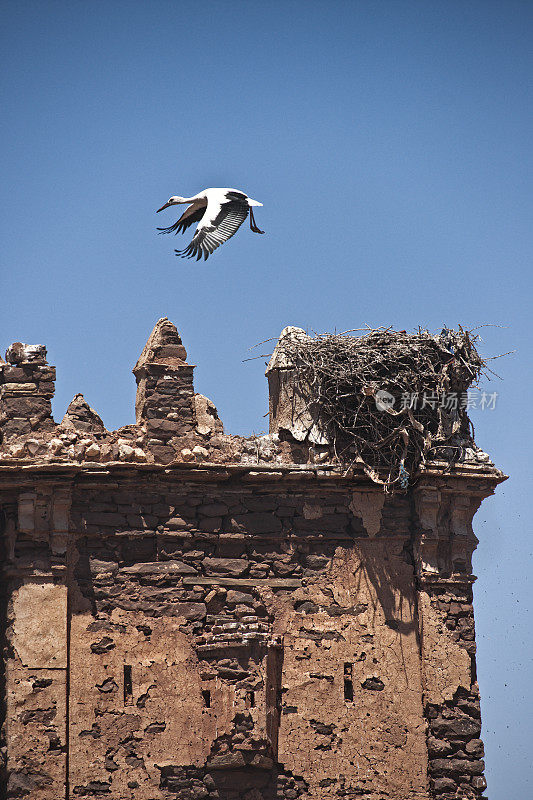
341 379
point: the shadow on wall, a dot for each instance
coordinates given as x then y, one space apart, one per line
389 578
254 782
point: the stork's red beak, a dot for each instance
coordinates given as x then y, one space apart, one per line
163 207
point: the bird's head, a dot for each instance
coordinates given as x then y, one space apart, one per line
172 201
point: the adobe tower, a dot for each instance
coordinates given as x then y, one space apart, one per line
191 615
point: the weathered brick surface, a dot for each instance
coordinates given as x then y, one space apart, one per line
26 391
192 615
285 657
245 641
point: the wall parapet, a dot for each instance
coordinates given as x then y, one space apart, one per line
173 422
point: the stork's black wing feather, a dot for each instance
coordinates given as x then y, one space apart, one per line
240 197
185 221
225 225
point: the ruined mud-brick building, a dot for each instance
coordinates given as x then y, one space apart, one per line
188 614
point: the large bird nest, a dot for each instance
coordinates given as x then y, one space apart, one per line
388 400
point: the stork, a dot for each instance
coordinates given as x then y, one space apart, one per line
219 213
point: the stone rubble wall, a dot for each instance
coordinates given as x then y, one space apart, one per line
189 614
454 724
242 577
242 638
26 391
173 422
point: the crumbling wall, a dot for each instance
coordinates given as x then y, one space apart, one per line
445 542
452 706
36 691
26 391
189 614
221 581
173 422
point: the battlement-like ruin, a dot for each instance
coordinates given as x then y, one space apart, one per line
192 614
175 424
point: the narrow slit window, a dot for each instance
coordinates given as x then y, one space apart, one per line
348 682
473 668
206 694
250 699
128 685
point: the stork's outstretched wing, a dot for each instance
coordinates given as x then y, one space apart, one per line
193 214
215 232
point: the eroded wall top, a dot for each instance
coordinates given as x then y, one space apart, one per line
174 424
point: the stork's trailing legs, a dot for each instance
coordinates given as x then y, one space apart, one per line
253 226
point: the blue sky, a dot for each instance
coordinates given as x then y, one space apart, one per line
390 143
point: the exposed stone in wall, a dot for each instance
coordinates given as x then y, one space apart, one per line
26 391
81 416
452 706
200 607
189 614
451 698
164 404
4 650
173 422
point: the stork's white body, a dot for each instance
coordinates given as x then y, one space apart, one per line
219 212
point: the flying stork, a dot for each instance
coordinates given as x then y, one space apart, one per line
219 214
